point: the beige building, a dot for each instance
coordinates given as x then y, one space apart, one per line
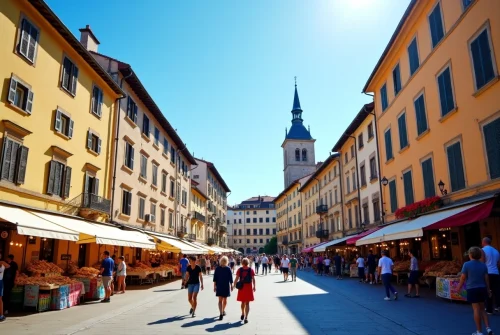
251 224
211 183
322 208
198 210
150 180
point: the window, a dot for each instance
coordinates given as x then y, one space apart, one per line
376 210
28 41
63 124
393 195
466 3
248 220
456 166
446 92
93 142
164 182
126 202
155 174
248 232
274 219
428 178
349 213
165 146
297 155
172 188
396 78
129 155
254 212
436 25
144 166
373 169
346 158
152 209
366 214
59 179
383 97
14 161
491 138
403 136
370 131
96 103
354 180
267 220
20 95
255 232
413 56
131 109
162 216
239 220
362 172
184 198
261 231
408 186
348 185
142 207
172 154
157 136
91 184
388 145
69 76
170 219
254 220
145 125
336 196
304 155
352 151
360 141
420 115
482 59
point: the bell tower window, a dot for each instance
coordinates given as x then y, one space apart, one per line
304 155
297 155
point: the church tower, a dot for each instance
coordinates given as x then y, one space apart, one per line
298 147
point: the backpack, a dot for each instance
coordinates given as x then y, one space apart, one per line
244 279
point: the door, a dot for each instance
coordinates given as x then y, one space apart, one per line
82 255
47 249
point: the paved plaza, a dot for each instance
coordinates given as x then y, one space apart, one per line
312 305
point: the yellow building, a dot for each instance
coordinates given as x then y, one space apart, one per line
57 106
198 213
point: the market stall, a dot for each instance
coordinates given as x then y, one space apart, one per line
447 287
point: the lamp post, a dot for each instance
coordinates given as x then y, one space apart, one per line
384 183
441 188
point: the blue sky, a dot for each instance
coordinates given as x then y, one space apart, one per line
222 71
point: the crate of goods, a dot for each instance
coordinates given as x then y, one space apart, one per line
99 292
74 294
17 297
60 298
44 302
92 287
31 295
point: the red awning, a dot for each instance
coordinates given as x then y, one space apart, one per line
353 239
311 248
473 214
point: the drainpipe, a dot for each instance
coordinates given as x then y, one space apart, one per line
319 201
113 185
357 175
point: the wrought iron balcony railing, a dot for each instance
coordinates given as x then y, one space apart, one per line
198 216
191 237
222 229
181 231
323 233
321 209
210 241
285 241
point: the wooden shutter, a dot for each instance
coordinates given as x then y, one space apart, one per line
388 145
86 183
492 139
67 182
74 78
135 113
6 157
99 101
70 129
131 157
29 101
403 139
428 176
99 143
32 43
66 73
408 188
13 161
58 176
129 203
89 139
96 186
24 43
12 90
58 121
455 165
393 196
22 162
51 177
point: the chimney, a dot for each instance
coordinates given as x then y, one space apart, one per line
88 39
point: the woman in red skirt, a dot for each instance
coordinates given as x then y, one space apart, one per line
246 275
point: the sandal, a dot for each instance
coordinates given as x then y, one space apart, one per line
408 295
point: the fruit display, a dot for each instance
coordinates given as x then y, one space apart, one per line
401 266
86 272
69 268
23 279
41 268
443 268
166 267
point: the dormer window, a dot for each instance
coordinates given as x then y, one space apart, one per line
297 155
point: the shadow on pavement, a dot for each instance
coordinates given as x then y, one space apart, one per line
199 322
224 326
168 290
168 320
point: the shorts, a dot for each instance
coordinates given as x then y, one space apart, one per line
476 295
203 268
361 273
327 268
284 270
193 288
106 280
183 274
371 269
413 278
231 265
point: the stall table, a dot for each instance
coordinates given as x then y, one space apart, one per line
447 287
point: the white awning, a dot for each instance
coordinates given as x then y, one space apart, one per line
165 243
32 225
410 228
88 232
204 246
322 248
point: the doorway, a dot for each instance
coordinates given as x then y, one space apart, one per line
47 249
82 255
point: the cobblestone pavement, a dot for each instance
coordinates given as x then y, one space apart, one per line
312 305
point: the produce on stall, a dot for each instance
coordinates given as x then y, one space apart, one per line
86 272
43 269
443 268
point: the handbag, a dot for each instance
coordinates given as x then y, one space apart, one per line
247 279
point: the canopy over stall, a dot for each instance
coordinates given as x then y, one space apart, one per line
165 243
415 227
323 246
311 248
352 240
31 225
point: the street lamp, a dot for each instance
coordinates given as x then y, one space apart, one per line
384 181
441 188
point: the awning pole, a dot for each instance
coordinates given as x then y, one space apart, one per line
67 260
25 251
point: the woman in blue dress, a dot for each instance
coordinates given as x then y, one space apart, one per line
223 279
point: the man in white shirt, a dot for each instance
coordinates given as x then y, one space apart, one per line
385 266
285 263
264 260
257 263
3 266
361 268
491 258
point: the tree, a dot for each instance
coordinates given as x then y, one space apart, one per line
271 247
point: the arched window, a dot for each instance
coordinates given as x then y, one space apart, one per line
297 154
304 155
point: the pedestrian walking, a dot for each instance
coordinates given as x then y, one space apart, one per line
326 264
245 283
319 264
277 263
372 266
193 282
360 261
9 279
203 264
209 265
121 275
264 261
270 264
257 264
231 263
385 266
183 265
413 277
338 266
223 280
107 268
491 257
476 277
293 267
3 266
285 263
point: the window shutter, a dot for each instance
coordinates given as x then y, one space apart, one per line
70 130
89 139
99 142
24 45
476 60
21 165
67 182
388 145
58 121
29 101
135 113
408 188
86 183
74 79
486 58
96 186
492 139
393 195
52 175
131 158
6 157
129 203
58 176
429 188
66 73
12 90
13 161
455 165
32 43
99 102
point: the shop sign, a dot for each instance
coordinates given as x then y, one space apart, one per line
31 293
35 255
65 257
4 234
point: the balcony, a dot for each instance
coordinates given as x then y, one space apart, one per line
222 229
295 242
181 232
210 241
321 209
285 241
322 233
88 205
217 221
191 237
198 216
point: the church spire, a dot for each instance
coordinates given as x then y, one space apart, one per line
297 110
297 131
